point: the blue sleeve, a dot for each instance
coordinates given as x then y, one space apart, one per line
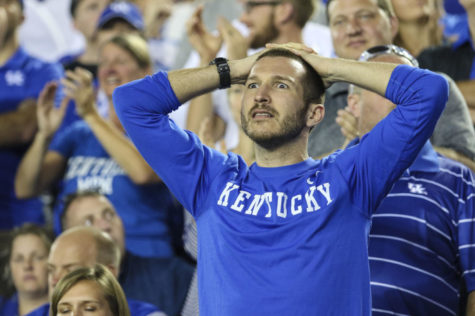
177 156
383 154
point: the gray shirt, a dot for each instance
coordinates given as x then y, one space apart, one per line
454 129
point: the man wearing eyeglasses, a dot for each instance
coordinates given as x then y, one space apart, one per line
421 239
357 25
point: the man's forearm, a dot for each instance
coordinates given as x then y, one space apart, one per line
190 83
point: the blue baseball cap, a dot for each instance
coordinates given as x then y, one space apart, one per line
126 11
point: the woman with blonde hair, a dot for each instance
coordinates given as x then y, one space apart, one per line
92 290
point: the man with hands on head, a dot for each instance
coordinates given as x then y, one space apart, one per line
287 234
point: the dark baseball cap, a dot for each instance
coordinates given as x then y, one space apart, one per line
126 11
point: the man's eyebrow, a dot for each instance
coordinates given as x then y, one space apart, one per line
274 77
284 78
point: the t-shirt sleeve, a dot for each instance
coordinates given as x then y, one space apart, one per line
383 154
177 156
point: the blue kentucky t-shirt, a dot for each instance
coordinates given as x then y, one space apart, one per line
290 240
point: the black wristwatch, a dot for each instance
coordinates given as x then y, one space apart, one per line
223 71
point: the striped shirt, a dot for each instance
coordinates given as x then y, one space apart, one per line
422 240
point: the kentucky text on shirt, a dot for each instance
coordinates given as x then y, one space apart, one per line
241 200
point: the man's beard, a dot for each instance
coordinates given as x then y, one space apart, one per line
267 35
290 128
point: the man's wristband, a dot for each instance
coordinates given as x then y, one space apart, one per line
223 71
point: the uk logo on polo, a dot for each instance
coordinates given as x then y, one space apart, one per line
14 78
417 188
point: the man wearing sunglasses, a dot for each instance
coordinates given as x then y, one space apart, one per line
421 239
355 26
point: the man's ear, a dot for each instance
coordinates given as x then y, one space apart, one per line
354 104
284 13
315 114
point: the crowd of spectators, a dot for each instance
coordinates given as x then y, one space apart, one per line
67 161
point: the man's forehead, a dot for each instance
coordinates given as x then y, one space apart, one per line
342 7
88 205
277 66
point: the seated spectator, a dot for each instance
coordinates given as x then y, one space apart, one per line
163 282
83 247
420 241
94 153
89 290
21 79
27 269
352 33
419 26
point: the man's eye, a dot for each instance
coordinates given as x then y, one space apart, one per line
365 16
252 86
337 22
281 85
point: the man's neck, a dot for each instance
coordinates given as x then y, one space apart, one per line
291 153
8 49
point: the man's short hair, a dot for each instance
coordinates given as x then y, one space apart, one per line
303 10
313 87
384 5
